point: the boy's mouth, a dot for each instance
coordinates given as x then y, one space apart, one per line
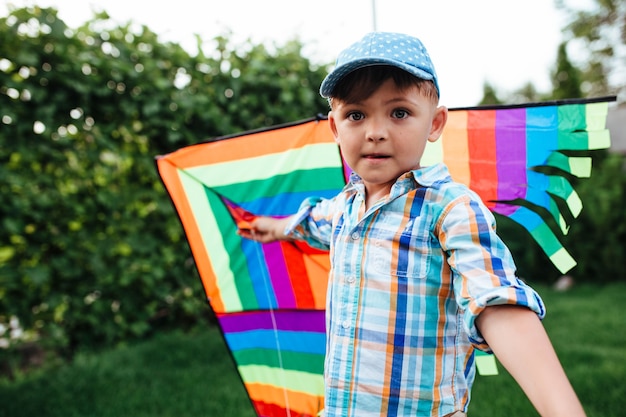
375 156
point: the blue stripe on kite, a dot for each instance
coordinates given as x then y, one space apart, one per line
538 180
539 197
284 204
542 136
260 278
304 342
527 218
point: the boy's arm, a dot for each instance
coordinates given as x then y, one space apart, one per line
267 229
521 344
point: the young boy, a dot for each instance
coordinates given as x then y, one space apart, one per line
419 278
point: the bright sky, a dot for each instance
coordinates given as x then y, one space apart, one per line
507 43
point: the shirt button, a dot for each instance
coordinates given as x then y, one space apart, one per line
355 236
351 280
345 324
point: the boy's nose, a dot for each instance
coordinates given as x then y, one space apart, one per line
376 131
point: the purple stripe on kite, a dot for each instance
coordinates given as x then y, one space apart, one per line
509 211
510 157
279 275
346 172
305 320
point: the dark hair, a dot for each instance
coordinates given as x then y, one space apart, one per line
361 83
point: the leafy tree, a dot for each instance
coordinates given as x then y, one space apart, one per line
596 39
566 82
490 95
526 94
566 78
598 35
598 236
91 250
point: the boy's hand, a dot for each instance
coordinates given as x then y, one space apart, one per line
266 229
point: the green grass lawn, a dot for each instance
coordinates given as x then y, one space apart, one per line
173 375
587 326
191 374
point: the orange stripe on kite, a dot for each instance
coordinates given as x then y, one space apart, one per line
298 401
253 145
171 179
318 267
455 147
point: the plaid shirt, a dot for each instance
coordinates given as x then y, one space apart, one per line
407 282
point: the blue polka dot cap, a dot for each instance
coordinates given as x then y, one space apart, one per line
382 48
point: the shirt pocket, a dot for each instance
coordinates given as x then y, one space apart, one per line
403 253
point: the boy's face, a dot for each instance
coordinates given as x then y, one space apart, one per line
384 136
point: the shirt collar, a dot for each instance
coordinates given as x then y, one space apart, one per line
425 176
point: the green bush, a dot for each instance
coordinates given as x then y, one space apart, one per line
91 249
598 237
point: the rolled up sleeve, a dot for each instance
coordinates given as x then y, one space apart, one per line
312 223
482 266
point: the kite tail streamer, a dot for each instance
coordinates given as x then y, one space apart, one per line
545 238
577 127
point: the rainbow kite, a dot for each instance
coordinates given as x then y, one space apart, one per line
269 298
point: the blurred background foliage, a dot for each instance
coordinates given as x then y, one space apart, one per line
91 250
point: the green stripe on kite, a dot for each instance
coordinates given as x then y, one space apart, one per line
312 384
297 361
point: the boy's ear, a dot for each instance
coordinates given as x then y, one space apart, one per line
333 125
439 122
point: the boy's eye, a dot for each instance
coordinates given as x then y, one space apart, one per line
355 116
400 113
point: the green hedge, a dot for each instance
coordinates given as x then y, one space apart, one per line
91 250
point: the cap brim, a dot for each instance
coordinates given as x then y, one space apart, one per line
337 74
